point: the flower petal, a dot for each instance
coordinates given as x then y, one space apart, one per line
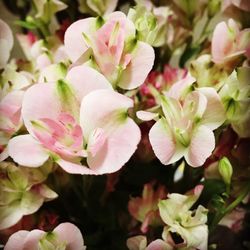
85 79
162 141
32 239
140 65
73 38
214 114
26 151
9 216
40 101
71 235
159 245
74 168
201 146
111 116
15 241
146 116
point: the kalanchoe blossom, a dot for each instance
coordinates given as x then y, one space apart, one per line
228 42
22 192
110 46
97 7
6 43
181 221
235 95
150 22
145 209
185 129
59 117
64 236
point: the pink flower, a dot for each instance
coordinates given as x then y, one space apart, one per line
81 124
64 236
228 42
110 46
185 128
145 209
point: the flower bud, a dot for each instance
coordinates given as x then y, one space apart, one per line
226 170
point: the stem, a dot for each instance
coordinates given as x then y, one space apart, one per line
230 207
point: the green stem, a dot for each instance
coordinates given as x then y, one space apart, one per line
230 207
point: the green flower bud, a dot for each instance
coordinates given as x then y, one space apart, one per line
226 170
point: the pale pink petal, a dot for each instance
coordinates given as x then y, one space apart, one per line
14 98
214 115
195 105
70 234
140 65
32 239
181 87
49 100
6 33
96 140
162 141
159 245
105 105
43 61
16 240
85 79
111 116
201 146
6 43
26 151
146 116
117 149
222 41
74 168
40 101
74 40
129 28
5 53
